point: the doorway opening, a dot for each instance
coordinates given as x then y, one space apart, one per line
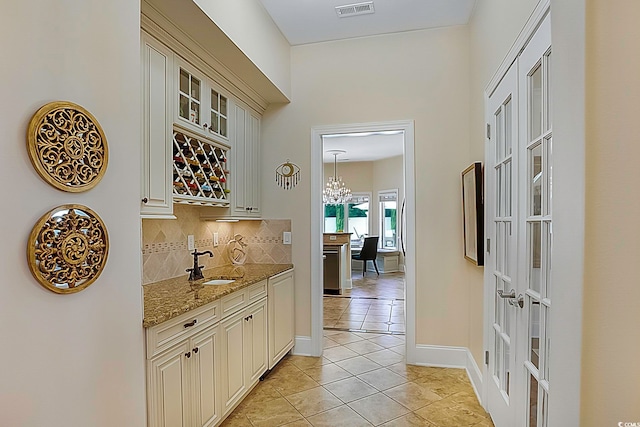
382 206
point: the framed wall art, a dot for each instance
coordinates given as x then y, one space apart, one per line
473 213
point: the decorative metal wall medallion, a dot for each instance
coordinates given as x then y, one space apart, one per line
287 175
67 146
68 248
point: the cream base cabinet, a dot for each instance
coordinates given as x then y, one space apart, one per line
183 383
244 359
245 155
157 100
281 316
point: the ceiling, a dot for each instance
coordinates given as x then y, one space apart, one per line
363 147
312 21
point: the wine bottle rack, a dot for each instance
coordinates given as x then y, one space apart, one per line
200 171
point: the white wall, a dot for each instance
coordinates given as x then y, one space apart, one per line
421 76
71 360
248 24
494 27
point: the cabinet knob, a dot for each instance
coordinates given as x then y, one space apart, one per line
188 354
145 200
195 350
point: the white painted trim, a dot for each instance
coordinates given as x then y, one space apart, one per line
475 376
441 356
519 44
451 357
302 346
407 126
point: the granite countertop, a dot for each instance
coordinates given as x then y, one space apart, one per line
170 298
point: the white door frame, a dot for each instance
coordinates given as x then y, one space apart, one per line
407 126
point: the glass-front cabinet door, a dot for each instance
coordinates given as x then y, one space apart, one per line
200 104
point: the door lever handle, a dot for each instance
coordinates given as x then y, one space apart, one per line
511 294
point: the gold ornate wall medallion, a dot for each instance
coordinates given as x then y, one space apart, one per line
68 248
67 146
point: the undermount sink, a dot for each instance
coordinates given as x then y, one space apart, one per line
219 282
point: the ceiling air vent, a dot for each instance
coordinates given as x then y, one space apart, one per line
354 9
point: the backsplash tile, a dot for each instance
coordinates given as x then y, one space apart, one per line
164 242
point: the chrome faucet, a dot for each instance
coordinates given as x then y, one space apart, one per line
195 273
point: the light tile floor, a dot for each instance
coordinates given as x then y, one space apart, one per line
374 304
361 380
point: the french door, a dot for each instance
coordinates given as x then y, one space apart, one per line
518 168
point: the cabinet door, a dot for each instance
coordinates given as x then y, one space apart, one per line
256 341
168 388
281 316
205 350
191 97
233 372
157 95
246 162
252 186
239 202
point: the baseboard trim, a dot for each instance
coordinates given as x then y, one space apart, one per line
451 357
302 346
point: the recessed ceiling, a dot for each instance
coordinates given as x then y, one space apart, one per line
363 148
312 21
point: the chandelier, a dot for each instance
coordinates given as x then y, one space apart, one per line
335 192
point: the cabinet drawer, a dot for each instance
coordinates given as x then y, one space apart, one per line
257 291
166 334
233 302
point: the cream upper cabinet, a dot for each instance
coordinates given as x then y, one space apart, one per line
199 104
157 100
245 157
281 316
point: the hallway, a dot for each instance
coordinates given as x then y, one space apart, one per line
361 380
374 304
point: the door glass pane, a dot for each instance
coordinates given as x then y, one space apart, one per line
195 88
534 332
214 100
184 81
535 103
499 246
499 136
507 372
223 105
534 262
507 189
547 171
547 343
497 367
499 190
508 312
535 183
507 127
548 226
184 107
533 402
194 114
548 104
223 126
214 122
507 249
